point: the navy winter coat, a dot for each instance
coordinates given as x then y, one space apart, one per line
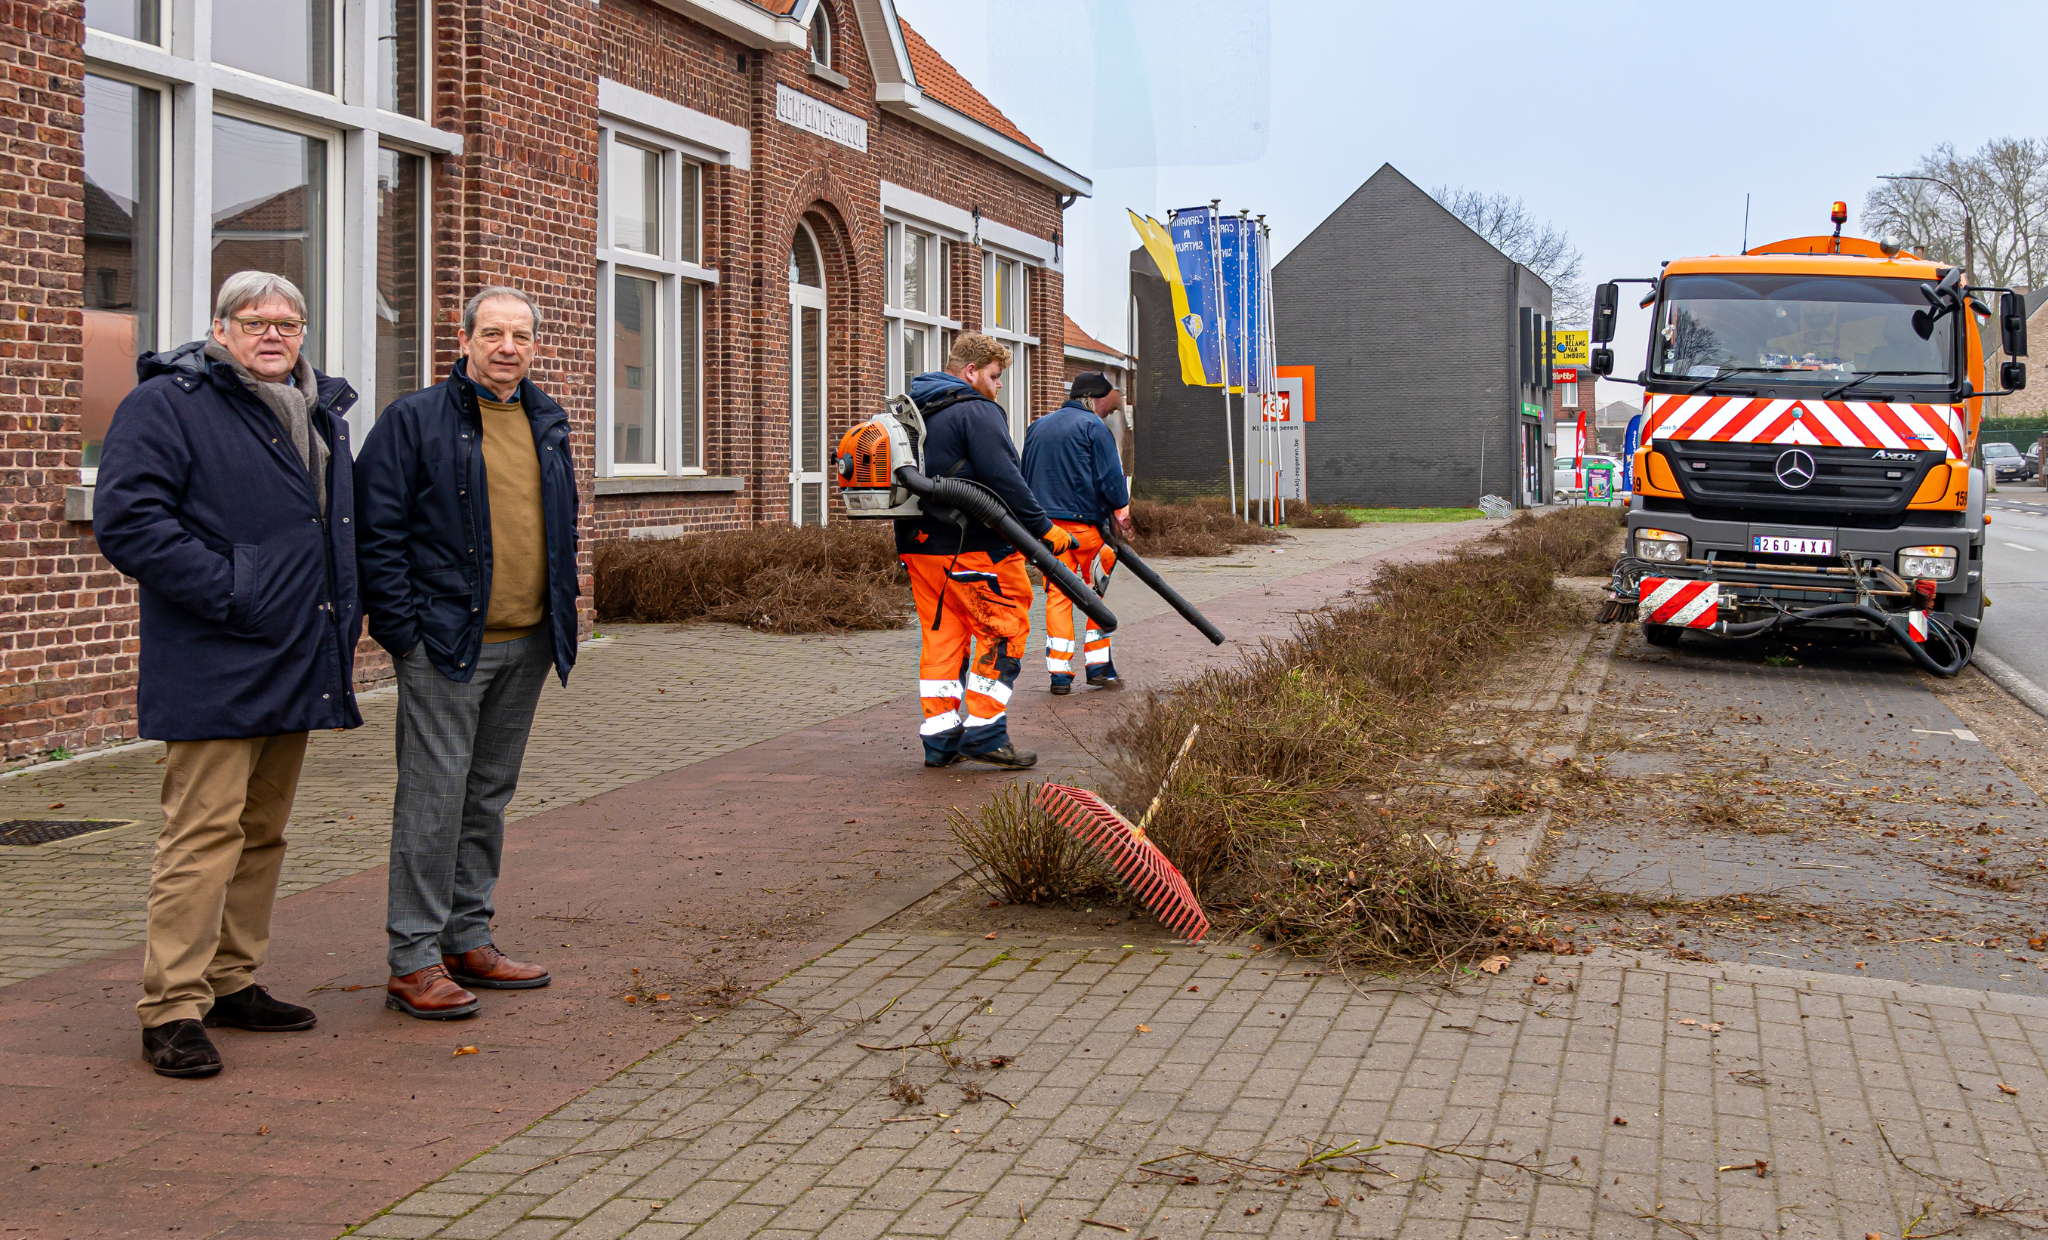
1071 463
968 439
248 596
423 540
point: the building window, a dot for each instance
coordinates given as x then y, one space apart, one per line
122 231
131 19
821 37
651 379
1006 315
402 66
289 40
917 302
270 207
402 267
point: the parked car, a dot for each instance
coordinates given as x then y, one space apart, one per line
2008 463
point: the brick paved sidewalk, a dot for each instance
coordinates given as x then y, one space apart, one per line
1616 1098
644 699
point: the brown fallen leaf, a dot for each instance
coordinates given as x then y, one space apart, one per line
464 1050
2004 1088
1619 1122
1543 979
56 805
1148 1029
991 934
1193 988
1251 1210
632 998
263 1131
1688 1022
663 998
1712 1026
1333 1201
1494 964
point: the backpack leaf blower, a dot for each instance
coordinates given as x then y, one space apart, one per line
881 475
1145 573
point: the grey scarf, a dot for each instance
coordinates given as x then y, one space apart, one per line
292 407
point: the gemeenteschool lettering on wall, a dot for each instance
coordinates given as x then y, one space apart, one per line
821 118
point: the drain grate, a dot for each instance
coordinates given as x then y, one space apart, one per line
49 830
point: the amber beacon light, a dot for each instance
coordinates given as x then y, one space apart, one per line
1840 214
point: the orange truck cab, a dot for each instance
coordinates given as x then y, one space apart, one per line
1809 425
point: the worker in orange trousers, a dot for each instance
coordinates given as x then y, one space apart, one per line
1071 462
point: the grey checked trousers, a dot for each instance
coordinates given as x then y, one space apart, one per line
459 750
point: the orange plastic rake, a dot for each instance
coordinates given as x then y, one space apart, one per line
1136 861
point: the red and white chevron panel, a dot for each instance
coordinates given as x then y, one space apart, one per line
1687 604
1916 625
1810 423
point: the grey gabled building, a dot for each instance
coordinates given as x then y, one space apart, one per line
1431 354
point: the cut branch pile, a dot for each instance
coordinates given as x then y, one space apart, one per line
778 579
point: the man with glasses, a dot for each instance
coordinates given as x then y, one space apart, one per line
225 490
467 540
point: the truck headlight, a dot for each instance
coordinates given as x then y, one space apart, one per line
1933 563
1661 546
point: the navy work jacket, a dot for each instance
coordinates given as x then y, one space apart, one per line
247 593
968 439
1071 463
423 538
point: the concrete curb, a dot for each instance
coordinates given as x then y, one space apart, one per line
2009 678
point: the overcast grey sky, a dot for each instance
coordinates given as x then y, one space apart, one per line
1638 127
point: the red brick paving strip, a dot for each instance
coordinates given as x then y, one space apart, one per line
307 1134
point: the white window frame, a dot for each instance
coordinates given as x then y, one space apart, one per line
426 341
331 304
192 89
895 315
1022 342
675 279
89 474
821 20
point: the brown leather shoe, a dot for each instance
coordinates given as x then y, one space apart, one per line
430 995
487 968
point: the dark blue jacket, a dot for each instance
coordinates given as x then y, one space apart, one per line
1071 463
424 536
248 595
975 432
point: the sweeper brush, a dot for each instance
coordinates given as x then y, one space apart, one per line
1136 861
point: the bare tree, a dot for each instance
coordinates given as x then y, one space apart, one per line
1508 224
2004 187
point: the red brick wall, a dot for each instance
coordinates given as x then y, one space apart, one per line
67 619
518 79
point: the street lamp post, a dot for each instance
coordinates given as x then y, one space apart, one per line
1969 225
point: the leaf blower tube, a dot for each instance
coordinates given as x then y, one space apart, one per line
984 507
1129 559
1895 623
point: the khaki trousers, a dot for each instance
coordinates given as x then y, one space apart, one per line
215 877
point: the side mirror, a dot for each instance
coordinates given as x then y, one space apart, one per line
1603 359
2012 324
2012 376
1606 302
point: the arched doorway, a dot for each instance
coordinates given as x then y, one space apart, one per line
808 451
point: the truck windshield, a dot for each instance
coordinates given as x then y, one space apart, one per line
1804 330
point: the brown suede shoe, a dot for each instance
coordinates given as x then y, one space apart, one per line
430 995
487 968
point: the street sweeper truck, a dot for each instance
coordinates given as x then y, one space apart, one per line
1809 430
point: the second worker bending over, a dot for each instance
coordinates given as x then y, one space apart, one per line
1071 462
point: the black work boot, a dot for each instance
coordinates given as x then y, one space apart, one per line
180 1048
944 759
253 1009
1104 677
1009 757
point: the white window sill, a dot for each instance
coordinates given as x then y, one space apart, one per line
692 484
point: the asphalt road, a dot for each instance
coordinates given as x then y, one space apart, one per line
2016 579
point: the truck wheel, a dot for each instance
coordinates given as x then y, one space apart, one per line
1665 635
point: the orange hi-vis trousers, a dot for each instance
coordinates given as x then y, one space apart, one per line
975 614
1060 637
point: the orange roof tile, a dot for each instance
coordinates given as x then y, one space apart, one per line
781 7
1082 340
943 82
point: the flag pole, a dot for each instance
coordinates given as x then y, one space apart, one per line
1222 339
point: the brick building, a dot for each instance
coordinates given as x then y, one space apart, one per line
745 224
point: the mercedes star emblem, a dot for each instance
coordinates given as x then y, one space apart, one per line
1795 469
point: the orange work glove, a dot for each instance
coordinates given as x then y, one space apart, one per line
1059 540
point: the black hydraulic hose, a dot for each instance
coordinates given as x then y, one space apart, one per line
1146 574
1893 622
984 507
